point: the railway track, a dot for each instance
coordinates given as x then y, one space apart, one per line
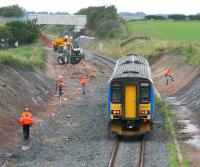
141 157
110 64
142 152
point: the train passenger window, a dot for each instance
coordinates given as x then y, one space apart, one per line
116 93
144 93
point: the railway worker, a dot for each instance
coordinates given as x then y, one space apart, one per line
59 86
168 75
26 121
83 84
70 47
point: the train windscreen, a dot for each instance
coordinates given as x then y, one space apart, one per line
144 93
116 92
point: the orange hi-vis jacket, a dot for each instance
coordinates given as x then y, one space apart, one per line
60 84
83 81
26 118
168 71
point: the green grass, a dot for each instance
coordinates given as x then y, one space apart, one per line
113 48
28 57
173 160
165 111
180 37
167 30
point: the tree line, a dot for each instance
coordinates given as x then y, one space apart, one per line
104 21
20 32
173 17
11 11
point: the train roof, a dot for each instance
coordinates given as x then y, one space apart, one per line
132 66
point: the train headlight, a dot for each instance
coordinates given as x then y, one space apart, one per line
115 112
145 112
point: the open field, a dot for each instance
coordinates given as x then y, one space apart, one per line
166 30
180 37
25 57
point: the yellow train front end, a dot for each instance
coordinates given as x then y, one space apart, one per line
130 102
129 115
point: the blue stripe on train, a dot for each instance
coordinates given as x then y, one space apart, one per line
109 99
152 101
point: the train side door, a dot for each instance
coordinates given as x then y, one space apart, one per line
130 101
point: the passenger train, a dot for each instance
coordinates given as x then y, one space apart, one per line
131 97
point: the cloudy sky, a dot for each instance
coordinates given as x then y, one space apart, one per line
147 6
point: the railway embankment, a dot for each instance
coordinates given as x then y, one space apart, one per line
25 80
182 95
18 89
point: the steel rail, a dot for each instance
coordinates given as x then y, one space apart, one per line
114 153
110 64
142 152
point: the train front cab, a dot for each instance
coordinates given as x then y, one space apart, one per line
130 106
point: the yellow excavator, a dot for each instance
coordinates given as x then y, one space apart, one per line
59 43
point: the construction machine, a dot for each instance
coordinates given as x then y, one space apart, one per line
60 43
71 56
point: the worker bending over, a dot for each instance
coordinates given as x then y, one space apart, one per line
168 75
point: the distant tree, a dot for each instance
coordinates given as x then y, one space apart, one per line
11 11
177 17
103 20
23 32
5 37
155 17
30 12
62 13
194 17
43 12
108 28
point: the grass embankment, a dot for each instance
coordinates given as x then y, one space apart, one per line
28 57
165 111
53 31
165 36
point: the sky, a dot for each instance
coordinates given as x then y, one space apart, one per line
147 6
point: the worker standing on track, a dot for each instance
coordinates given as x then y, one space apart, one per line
168 75
59 87
83 84
26 120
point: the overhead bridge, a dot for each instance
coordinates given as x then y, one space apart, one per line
79 21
